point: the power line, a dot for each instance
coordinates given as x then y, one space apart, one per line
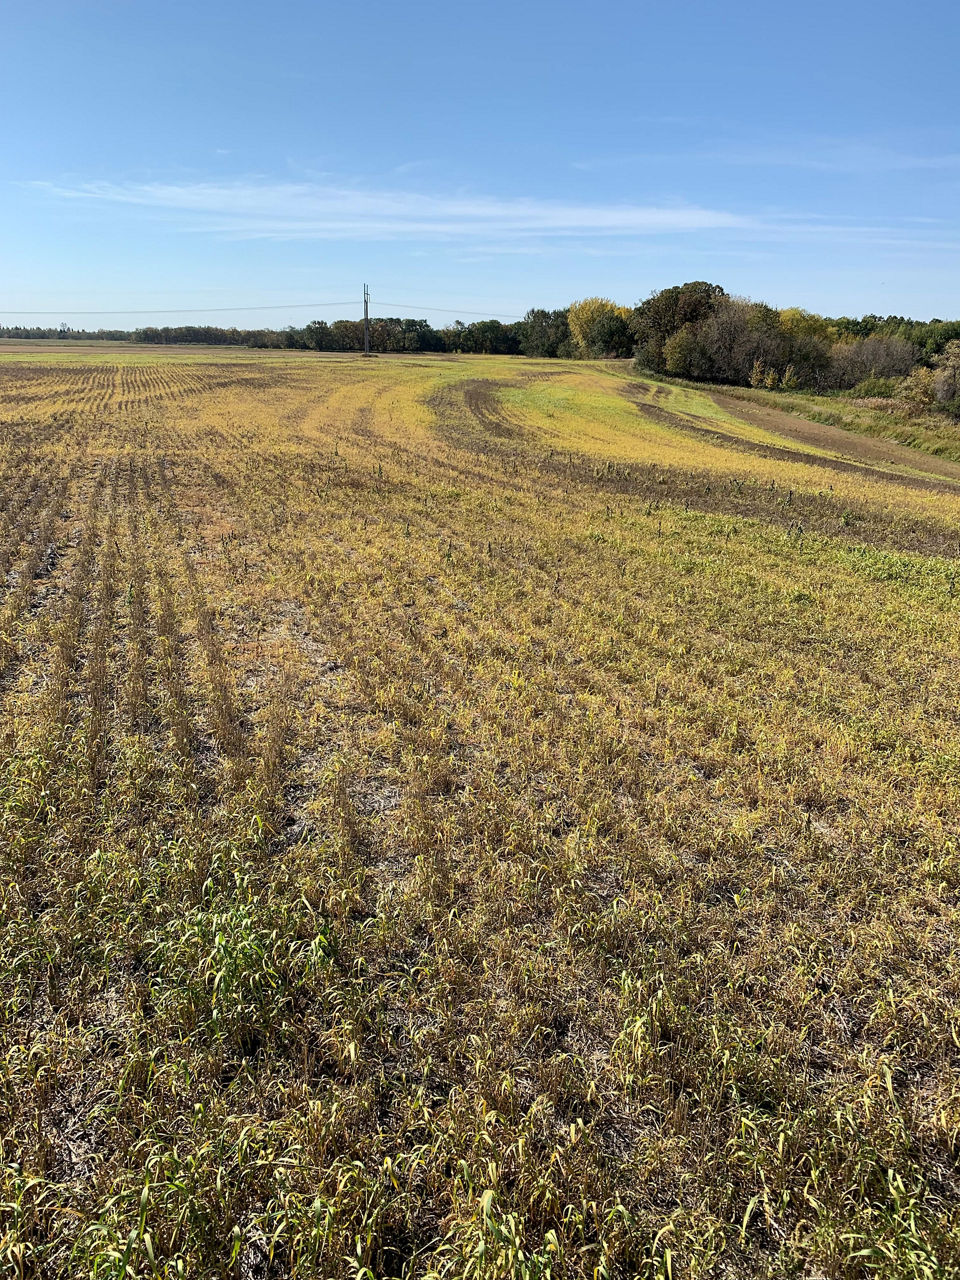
189 311
275 306
452 311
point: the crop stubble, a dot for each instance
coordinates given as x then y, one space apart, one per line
458 821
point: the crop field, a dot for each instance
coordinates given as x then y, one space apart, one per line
470 818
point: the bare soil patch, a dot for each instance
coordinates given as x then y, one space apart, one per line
470 414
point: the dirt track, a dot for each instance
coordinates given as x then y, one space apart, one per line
853 453
850 445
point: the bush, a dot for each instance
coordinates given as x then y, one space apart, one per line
852 362
875 386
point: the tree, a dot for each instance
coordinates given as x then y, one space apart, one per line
490 338
317 335
946 378
665 313
809 358
346 335
612 336
683 355
799 323
546 333
598 328
856 359
453 336
918 389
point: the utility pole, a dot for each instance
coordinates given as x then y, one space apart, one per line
366 321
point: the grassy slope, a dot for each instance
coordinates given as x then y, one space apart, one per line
456 823
932 432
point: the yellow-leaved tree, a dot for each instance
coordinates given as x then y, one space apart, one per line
796 321
600 328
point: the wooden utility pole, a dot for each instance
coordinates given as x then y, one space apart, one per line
366 321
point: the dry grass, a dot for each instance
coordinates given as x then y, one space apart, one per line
465 819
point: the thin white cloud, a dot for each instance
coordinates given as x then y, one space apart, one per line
826 155
411 166
324 210
321 211
833 155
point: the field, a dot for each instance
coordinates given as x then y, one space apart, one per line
470 818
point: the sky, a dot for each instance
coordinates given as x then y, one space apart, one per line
250 164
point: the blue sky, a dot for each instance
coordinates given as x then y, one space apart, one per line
473 158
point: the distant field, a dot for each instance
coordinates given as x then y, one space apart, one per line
152 353
470 817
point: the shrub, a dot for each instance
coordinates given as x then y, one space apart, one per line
875 386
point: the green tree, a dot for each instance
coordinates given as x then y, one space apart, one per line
681 353
666 312
546 333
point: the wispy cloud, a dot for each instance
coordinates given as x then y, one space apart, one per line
324 210
856 157
320 211
835 155
410 166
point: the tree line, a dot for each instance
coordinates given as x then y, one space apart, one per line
64 331
694 331
698 331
